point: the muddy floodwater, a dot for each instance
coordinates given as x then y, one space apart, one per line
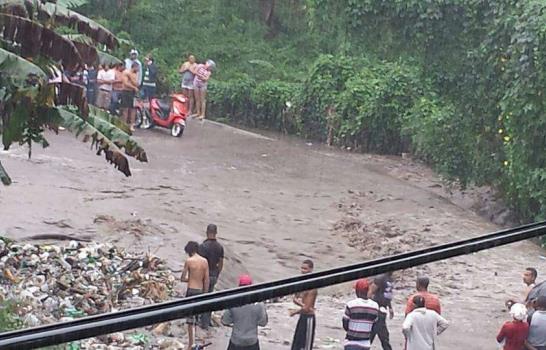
276 202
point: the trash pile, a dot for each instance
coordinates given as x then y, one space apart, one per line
52 283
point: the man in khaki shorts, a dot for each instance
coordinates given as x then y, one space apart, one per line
196 274
105 79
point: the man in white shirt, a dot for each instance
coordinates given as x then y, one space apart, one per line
105 79
422 326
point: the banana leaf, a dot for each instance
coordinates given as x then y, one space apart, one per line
58 13
103 57
87 132
35 40
15 7
120 124
81 38
120 138
106 58
73 95
18 68
89 53
4 177
61 15
70 4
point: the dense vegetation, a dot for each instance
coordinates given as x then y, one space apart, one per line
459 83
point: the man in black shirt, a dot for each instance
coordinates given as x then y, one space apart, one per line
213 251
381 292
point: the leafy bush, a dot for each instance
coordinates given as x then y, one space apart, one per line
321 90
232 99
439 136
373 104
271 100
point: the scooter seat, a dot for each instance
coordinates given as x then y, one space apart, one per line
164 105
164 108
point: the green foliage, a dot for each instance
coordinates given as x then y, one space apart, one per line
438 135
232 98
373 104
8 317
271 101
320 90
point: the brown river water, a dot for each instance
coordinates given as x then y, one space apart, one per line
276 200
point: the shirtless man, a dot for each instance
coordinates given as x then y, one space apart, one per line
305 330
130 88
529 279
196 274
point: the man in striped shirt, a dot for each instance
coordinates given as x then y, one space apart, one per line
360 315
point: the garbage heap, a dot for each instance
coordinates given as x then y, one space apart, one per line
50 283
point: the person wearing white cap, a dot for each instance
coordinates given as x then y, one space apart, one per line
514 333
133 57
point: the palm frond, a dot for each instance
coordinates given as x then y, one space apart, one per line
99 113
118 136
61 15
32 40
87 132
19 69
70 4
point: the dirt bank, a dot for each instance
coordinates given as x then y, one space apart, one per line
276 202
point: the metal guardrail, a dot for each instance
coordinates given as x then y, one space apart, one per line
152 314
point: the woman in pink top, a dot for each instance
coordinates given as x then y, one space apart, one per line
202 75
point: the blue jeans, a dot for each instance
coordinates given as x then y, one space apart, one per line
148 92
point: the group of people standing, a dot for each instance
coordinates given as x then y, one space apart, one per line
194 83
201 271
114 87
527 329
365 317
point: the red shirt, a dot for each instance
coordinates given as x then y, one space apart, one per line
432 302
514 333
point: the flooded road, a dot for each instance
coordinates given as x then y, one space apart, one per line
276 202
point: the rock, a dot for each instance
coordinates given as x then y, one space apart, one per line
170 344
117 337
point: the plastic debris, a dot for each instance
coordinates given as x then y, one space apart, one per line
55 283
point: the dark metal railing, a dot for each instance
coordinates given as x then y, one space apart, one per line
148 315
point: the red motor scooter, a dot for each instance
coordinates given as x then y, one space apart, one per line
166 114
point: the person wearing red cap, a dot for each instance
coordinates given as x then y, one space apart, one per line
359 318
245 321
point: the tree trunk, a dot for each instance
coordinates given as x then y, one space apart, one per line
4 177
268 11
